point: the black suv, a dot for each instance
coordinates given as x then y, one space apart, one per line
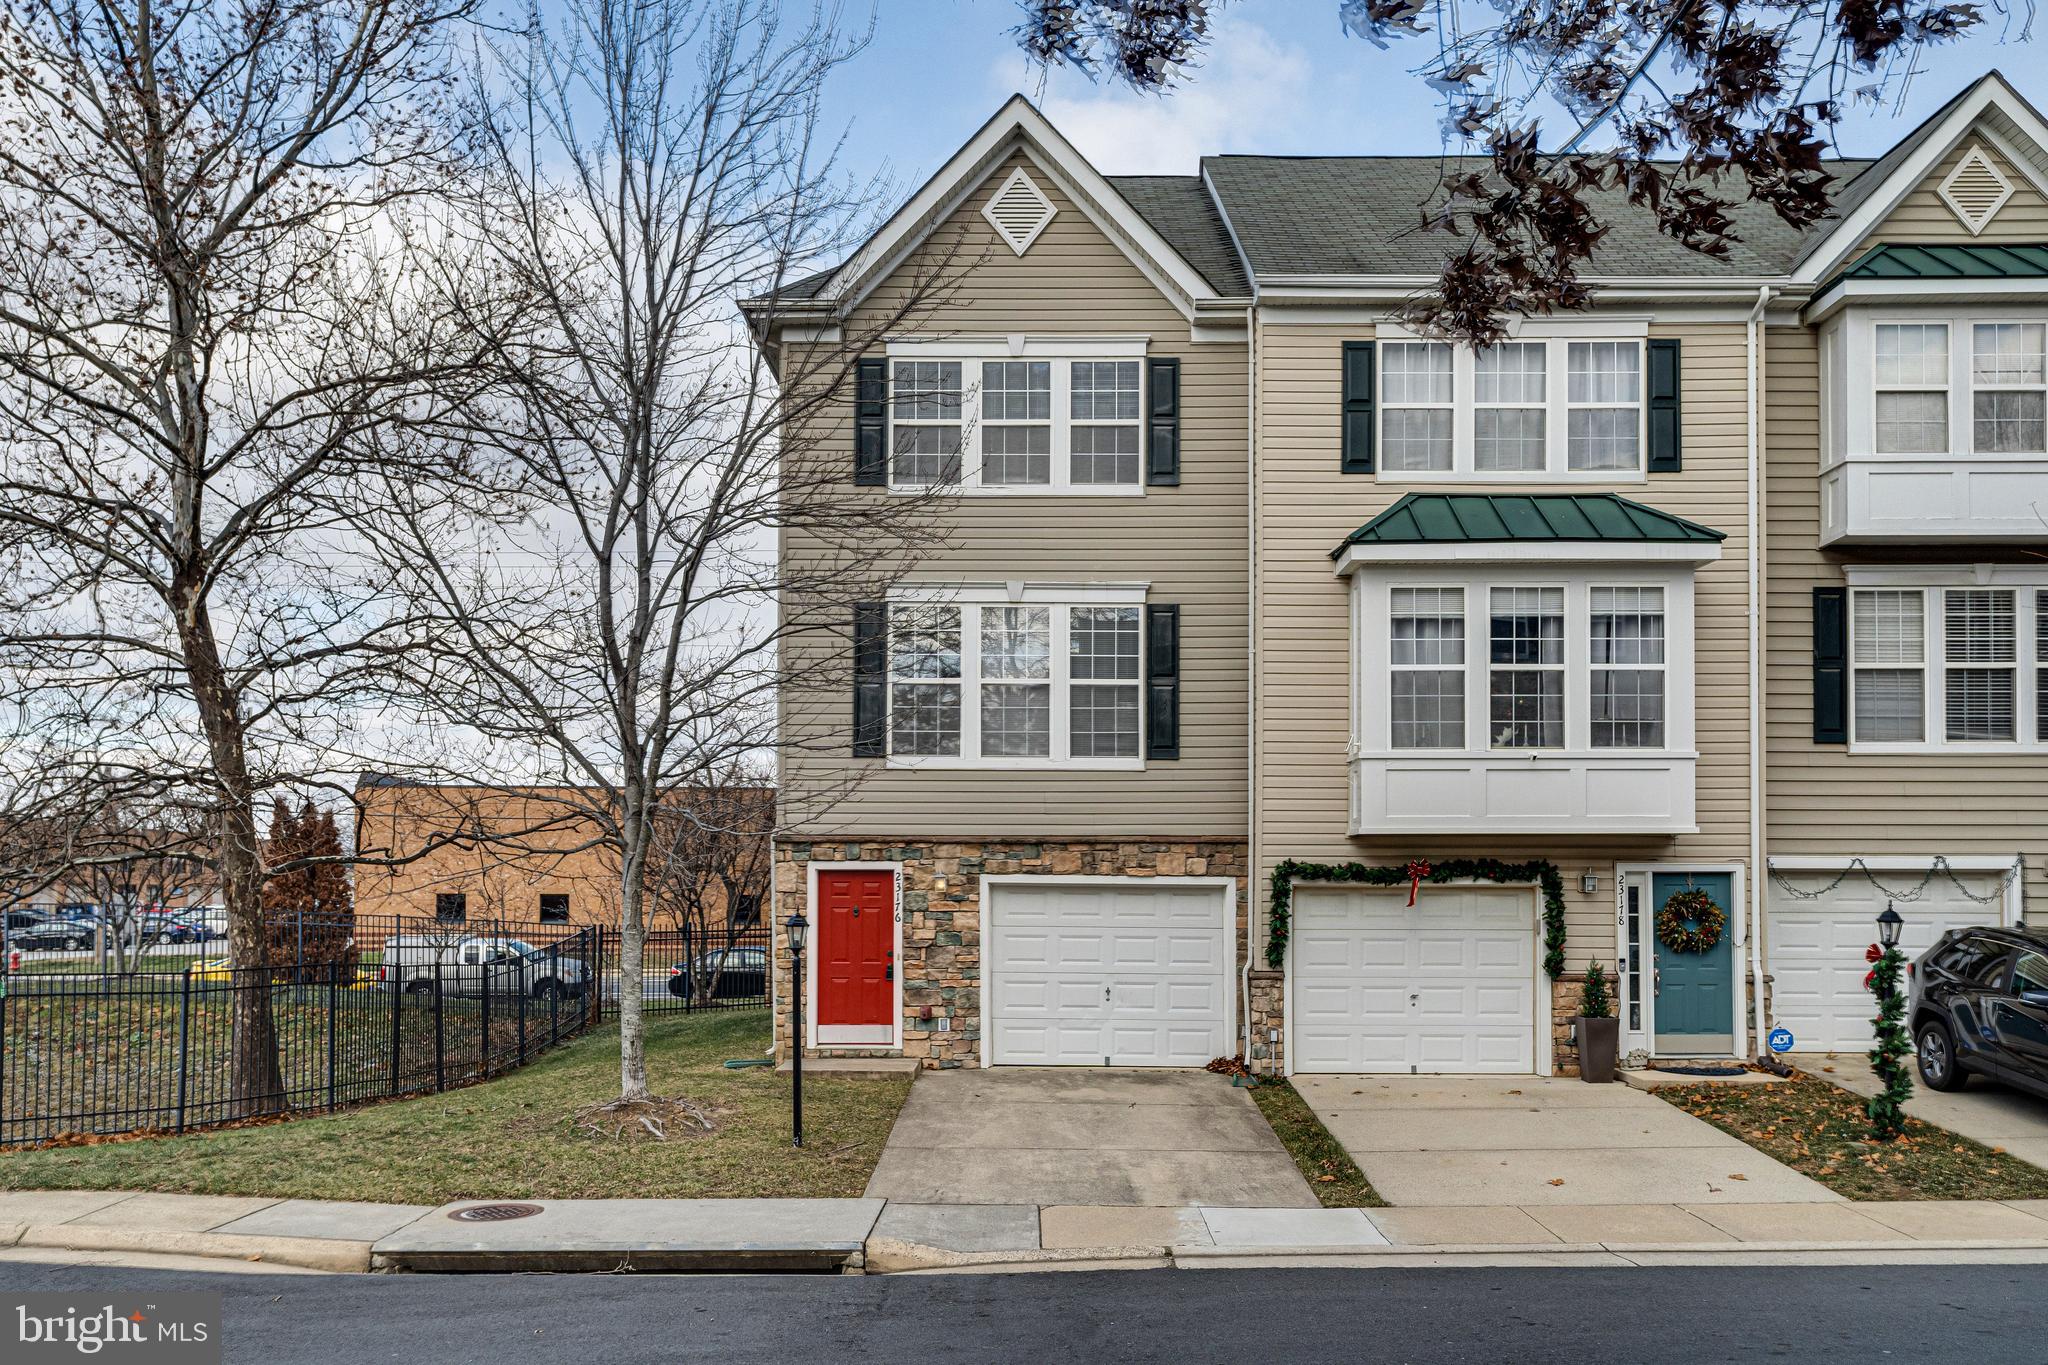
1980 1005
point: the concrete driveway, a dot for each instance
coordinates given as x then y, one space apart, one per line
1983 1111
1540 1140
1085 1137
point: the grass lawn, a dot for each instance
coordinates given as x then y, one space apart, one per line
517 1136
1327 1167
1821 1130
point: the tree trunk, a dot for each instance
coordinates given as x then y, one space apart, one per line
632 958
255 1080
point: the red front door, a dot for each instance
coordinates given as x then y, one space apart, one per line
856 951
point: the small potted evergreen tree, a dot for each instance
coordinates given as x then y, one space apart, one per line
1599 1030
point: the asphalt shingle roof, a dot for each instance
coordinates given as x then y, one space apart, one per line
1447 518
1180 210
1361 215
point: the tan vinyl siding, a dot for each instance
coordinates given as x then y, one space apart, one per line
1819 798
1187 542
1305 507
1923 216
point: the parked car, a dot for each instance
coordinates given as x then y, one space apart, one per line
731 973
1978 1002
210 921
31 929
410 963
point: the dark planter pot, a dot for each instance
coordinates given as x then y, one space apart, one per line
1599 1042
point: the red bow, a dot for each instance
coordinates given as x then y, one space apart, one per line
1417 870
1870 980
1873 953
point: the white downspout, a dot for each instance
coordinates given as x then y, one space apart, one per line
1251 691
1754 482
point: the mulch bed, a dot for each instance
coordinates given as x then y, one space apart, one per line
1821 1131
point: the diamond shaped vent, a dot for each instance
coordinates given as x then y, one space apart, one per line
1019 211
1974 190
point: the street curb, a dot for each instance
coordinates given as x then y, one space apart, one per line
891 1256
307 1253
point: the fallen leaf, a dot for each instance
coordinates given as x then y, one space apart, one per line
1557 1182
1326 1179
1738 1177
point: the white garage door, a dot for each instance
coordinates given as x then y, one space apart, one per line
1817 947
1118 975
1448 985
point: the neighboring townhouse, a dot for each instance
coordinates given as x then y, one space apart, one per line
1374 688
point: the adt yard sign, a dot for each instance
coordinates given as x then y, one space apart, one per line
1781 1040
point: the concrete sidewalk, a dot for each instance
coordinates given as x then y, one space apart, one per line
875 1236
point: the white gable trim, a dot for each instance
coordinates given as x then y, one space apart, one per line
1993 94
1018 126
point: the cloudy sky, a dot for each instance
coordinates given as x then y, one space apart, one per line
1282 78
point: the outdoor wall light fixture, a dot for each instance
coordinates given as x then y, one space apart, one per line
1588 882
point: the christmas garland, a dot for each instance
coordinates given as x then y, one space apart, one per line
1544 874
1892 1044
1691 906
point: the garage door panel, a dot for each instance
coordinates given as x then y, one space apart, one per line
1816 947
1132 974
1444 985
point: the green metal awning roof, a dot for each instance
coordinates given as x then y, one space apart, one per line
1469 518
1969 261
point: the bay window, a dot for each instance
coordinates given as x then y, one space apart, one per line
1948 665
1627 662
1016 684
1527 674
1427 655
1912 387
1553 407
2009 388
982 419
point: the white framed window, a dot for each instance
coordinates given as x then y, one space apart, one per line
1416 407
1605 406
1627 667
1018 416
1911 377
2009 388
1546 407
1948 665
982 680
1426 650
1525 677
1509 382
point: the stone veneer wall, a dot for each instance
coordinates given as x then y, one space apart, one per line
1269 1046
941 897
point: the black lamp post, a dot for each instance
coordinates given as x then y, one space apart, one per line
799 932
1889 925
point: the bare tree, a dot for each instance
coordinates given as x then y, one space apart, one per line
204 333
1677 108
652 164
710 864
133 863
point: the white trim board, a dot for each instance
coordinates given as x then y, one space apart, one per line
894 1041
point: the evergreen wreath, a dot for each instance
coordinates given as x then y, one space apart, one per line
1685 908
1543 873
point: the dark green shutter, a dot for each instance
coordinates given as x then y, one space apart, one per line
1358 407
1830 666
1665 453
870 679
1162 682
1162 421
871 422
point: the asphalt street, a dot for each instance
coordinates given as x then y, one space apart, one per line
1982 1313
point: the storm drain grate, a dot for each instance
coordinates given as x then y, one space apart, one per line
494 1213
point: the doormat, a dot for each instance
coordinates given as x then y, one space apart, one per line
1702 1070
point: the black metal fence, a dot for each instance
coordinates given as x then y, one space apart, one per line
364 1009
156 1051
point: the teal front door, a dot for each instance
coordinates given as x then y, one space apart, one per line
1693 994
